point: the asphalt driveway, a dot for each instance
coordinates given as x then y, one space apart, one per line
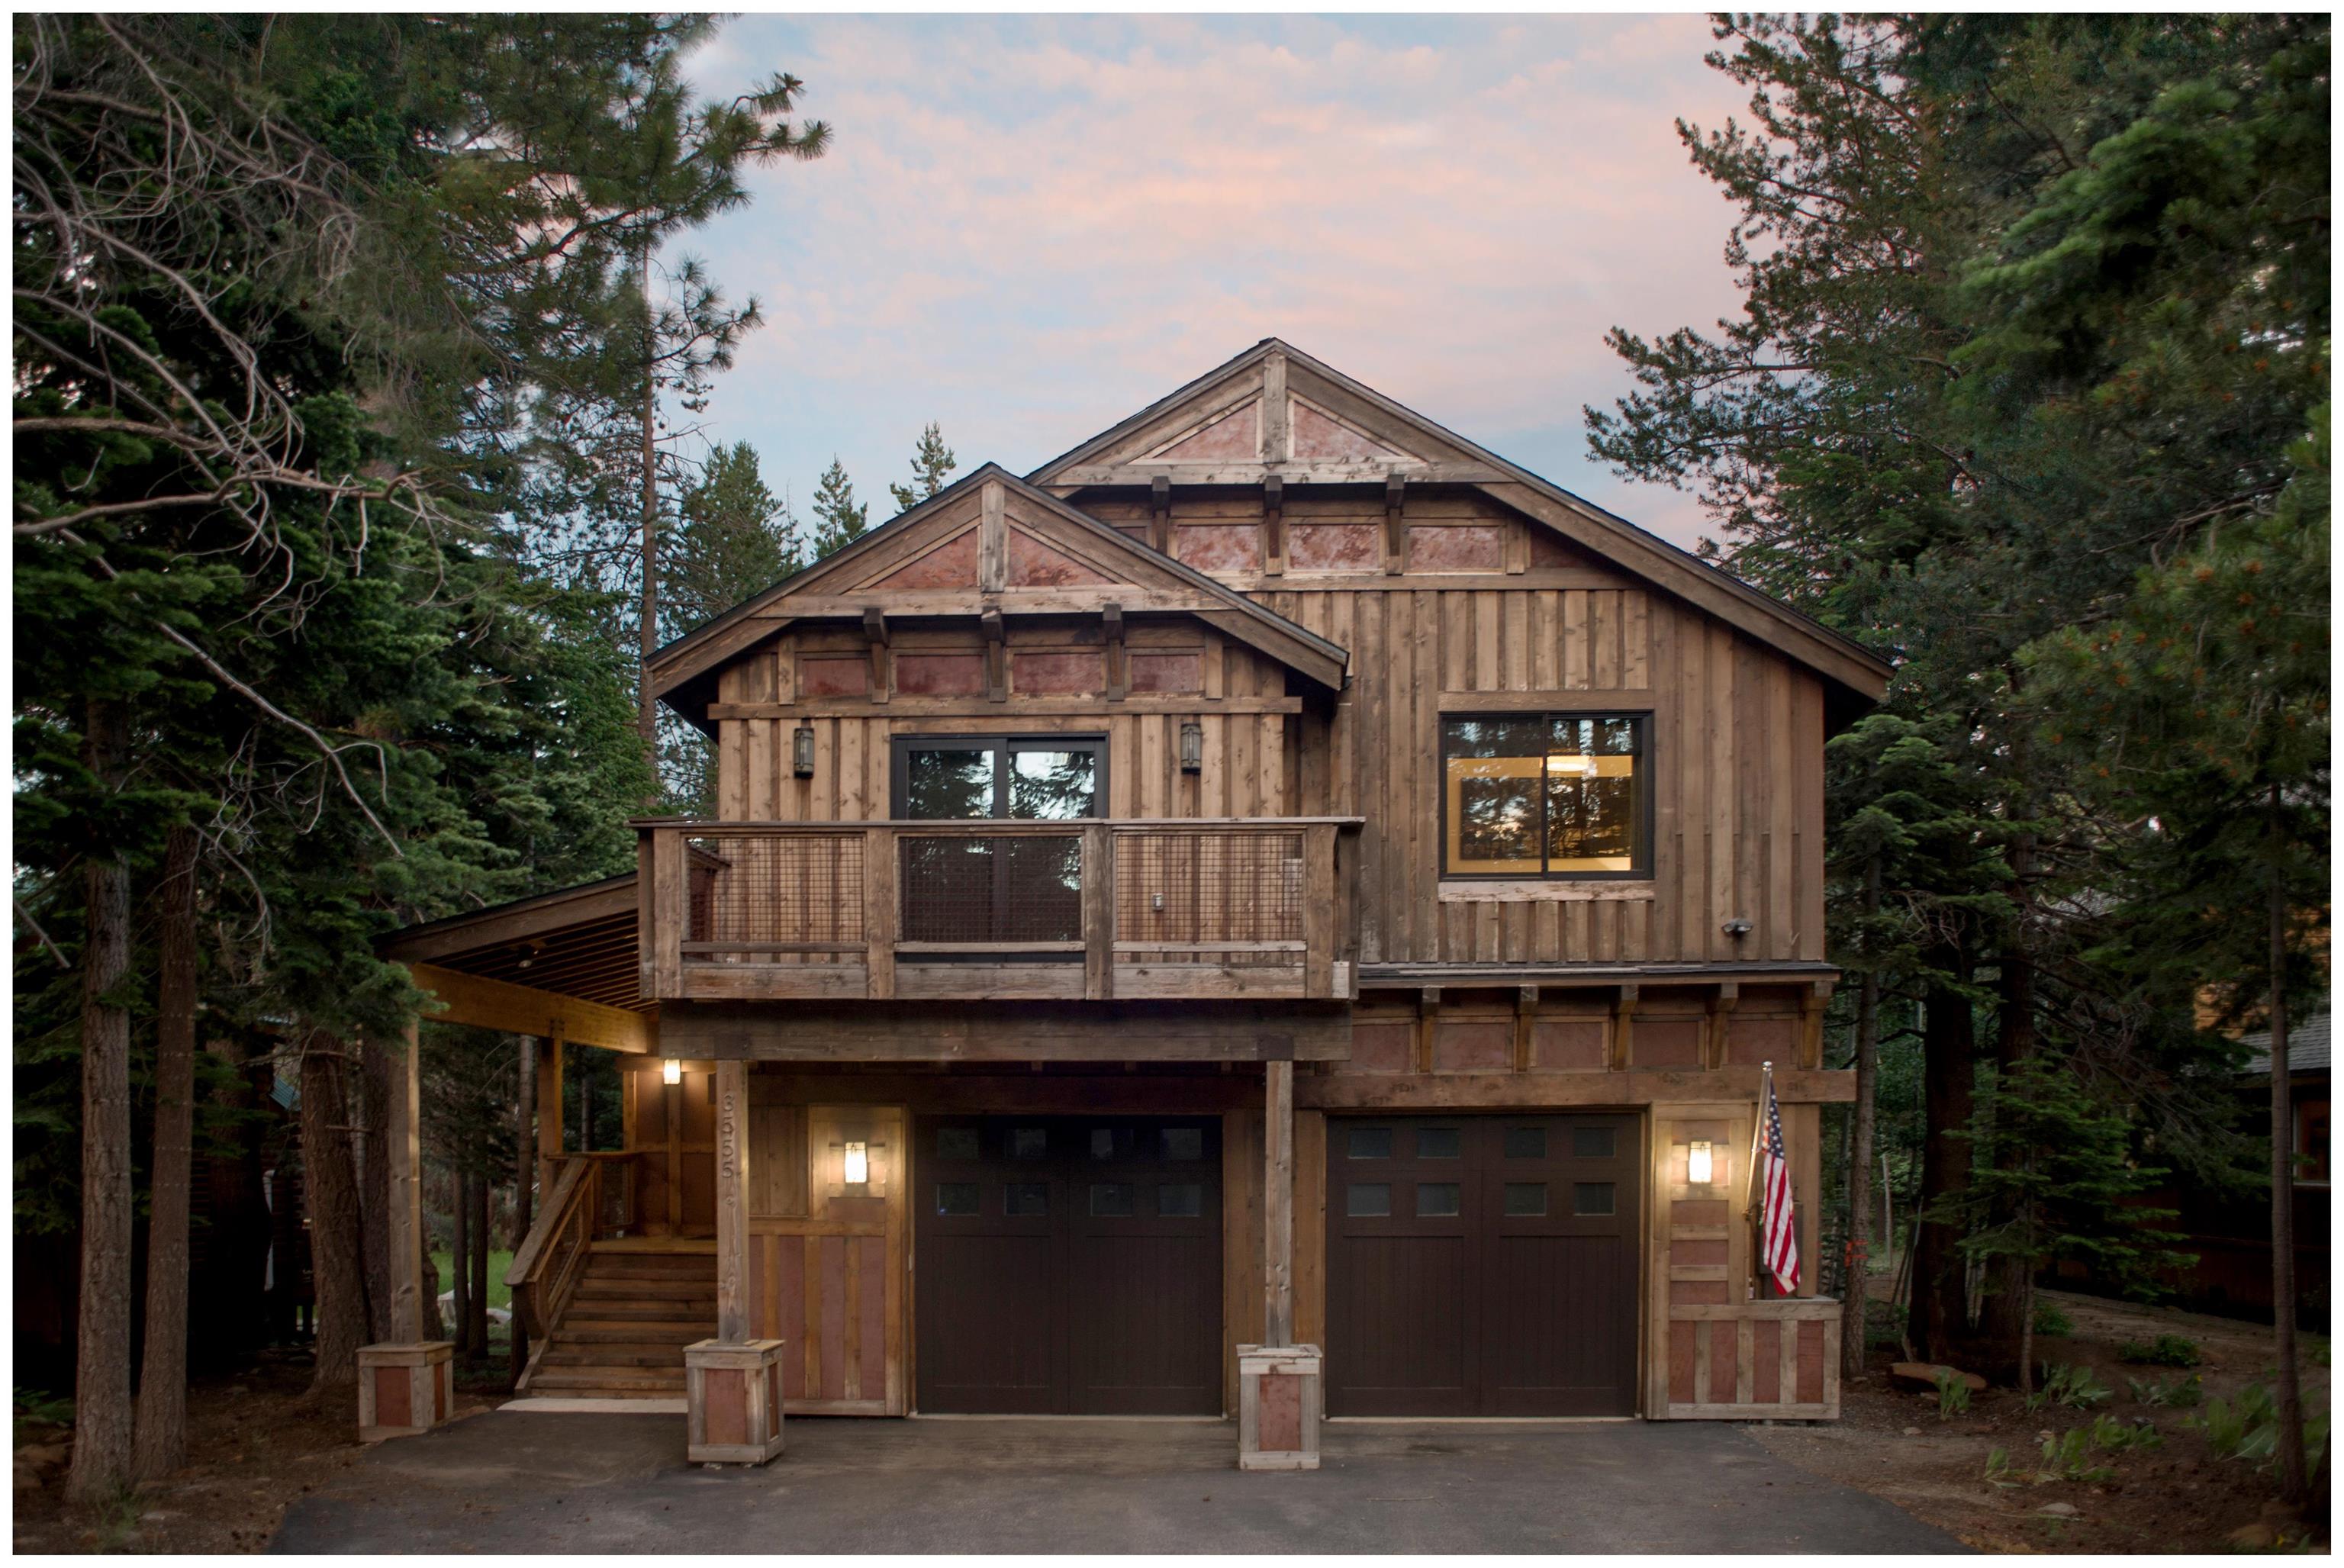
563 1482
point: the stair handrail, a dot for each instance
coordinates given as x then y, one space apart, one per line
551 1257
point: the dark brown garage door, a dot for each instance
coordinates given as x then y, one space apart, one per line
1067 1266
1481 1265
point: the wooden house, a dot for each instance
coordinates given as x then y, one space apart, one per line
1276 875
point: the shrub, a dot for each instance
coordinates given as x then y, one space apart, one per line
1952 1394
2114 1436
2051 1322
2070 1385
2179 1393
2068 1457
2165 1351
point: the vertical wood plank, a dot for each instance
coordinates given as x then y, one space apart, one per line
1278 1208
732 1201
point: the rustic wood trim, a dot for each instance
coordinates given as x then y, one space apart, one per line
1541 890
1278 1208
1159 515
488 1004
1619 1042
1626 1088
1239 473
1273 525
1618 700
1276 411
909 709
733 1158
1118 660
1719 1019
992 538
874 631
1395 523
517 922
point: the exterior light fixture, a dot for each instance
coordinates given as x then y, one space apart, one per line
1699 1164
802 751
671 1072
858 1164
1192 747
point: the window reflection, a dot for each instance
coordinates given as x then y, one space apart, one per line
1543 796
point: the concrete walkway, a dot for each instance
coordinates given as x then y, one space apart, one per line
541 1482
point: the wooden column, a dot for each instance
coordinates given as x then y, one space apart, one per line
549 1113
1278 1211
404 1140
732 1202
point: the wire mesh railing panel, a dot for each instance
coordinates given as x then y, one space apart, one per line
1219 893
985 889
756 895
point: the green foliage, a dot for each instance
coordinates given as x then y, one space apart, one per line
2165 1351
839 519
2247 1428
931 463
737 539
2112 1436
1998 1467
2068 1457
2068 1383
1952 1395
2051 1321
2177 1394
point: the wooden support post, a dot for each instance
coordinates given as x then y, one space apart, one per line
672 1097
1273 524
993 538
883 869
1623 1030
732 1202
1318 911
549 1113
1721 1002
875 630
405 1140
1159 514
1526 1003
1395 524
1276 420
1427 1019
1118 664
1098 914
1811 1023
996 654
1278 1209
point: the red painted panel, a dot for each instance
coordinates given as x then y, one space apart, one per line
1749 1041
1766 1349
940 674
871 1257
1565 1044
1034 564
1236 434
1332 547
1810 1362
1167 673
1697 1292
1723 1337
1472 1048
725 1402
1316 436
834 1316
1077 674
1381 1048
952 564
1681 1364
1696 1253
1697 1211
1470 548
833 677
1280 1407
1667 1042
1217 546
394 1396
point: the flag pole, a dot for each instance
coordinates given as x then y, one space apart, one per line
1756 1284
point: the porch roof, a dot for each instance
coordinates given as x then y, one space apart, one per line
561 964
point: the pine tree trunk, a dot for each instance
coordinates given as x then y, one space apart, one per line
1998 1350
102 1410
2293 1485
1856 1305
1940 1310
524 1172
330 1182
460 1266
377 1066
648 718
161 1443
477 1330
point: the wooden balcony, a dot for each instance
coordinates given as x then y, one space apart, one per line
1237 908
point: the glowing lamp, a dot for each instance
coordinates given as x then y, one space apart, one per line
1699 1165
858 1164
671 1071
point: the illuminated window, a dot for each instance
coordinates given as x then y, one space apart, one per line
1555 795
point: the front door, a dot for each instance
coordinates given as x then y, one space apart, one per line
1067 1265
1481 1265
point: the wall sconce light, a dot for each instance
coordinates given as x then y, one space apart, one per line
802 751
1699 1163
858 1164
671 1072
1192 747
858 1168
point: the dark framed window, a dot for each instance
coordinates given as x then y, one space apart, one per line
1040 778
1546 795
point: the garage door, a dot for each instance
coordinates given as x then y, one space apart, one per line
1482 1266
1067 1266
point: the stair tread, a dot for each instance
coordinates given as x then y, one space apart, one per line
608 1377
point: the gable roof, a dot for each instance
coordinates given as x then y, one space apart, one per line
1345 431
990 541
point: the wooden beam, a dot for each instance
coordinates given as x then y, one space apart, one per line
549 1112
1278 1208
487 1004
959 603
1276 416
905 709
500 928
1507 1091
1526 1005
406 1242
1721 1018
1142 472
732 1202
1395 523
1427 1019
1811 1023
1159 514
993 538
1619 1051
875 630
1118 663
996 655
1037 1031
1273 525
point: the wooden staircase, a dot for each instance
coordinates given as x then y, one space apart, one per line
620 1334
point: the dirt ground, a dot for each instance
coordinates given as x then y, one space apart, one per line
256 1445
2178 1497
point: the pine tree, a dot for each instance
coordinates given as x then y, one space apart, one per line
932 461
839 519
736 539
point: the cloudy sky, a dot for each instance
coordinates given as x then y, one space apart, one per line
1028 228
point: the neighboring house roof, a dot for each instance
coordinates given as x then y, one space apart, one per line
1394 438
1067 545
2306 1048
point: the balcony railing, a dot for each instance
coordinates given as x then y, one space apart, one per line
1097 910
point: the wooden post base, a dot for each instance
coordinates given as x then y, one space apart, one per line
733 1402
1279 1406
404 1390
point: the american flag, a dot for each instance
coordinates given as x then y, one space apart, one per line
1778 1227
